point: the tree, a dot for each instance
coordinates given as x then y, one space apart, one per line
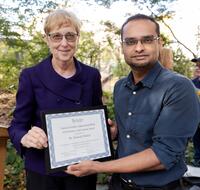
18 53
89 51
183 65
21 51
160 3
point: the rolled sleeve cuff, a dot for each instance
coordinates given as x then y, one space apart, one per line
169 154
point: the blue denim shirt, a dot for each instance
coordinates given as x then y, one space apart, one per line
161 112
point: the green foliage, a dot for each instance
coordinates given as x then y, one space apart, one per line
20 45
183 65
159 5
103 178
189 153
14 171
17 54
121 69
108 3
165 39
108 100
89 51
18 51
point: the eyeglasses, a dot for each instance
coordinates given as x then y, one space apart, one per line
57 37
147 40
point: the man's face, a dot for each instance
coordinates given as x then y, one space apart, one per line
197 70
140 44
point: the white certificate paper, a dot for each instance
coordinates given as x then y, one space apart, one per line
75 136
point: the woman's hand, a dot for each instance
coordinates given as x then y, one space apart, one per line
35 138
84 168
113 129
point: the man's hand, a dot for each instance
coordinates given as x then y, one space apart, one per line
84 168
35 138
113 129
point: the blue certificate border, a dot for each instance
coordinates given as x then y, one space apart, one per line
50 159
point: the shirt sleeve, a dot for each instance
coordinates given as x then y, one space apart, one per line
177 122
21 122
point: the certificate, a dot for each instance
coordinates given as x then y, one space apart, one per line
76 135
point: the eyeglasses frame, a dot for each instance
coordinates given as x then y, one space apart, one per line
63 35
141 40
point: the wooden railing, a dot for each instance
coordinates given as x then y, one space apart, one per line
3 143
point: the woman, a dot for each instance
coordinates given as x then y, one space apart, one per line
58 82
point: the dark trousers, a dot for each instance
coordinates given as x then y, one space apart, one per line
117 184
35 181
196 142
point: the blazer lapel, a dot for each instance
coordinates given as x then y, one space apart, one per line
68 88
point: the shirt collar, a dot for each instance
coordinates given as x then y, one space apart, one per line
149 79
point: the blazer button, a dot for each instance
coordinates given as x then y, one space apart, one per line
58 100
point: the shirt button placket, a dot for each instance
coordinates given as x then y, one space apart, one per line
128 136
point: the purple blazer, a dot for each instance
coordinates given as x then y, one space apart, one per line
41 88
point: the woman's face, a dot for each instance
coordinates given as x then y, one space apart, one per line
62 43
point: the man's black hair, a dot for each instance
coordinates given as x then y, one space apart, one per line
141 17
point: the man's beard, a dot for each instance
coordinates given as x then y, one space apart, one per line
142 66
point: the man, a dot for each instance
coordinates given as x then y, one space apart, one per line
196 79
156 113
196 138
